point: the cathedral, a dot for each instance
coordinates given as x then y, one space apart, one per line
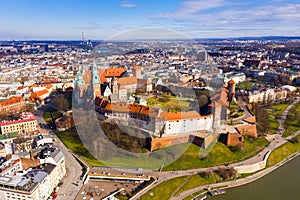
110 84
85 93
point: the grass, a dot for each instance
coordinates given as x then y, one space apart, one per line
274 124
275 112
164 190
236 123
235 111
246 85
283 152
176 186
71 140
280 108
292 122
195 181
168 102
219 155
194 195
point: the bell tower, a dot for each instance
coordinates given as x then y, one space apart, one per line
95 81
79 88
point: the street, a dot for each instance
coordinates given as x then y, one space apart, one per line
69 188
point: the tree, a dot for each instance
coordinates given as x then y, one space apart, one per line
61 103
203 100
262 118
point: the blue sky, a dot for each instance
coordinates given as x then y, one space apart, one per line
100 19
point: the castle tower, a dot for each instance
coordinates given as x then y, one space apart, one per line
137 71
231 90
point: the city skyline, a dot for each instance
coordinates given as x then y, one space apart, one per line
33 19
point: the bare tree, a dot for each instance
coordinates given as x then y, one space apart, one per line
61 103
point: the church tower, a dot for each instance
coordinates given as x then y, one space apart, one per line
79 88
114 86
95 82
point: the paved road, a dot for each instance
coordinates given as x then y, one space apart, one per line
277 141
71 182
246 113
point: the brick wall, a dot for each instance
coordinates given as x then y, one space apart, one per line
233 139
249 130
158 143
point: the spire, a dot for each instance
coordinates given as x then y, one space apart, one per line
79 79
95 76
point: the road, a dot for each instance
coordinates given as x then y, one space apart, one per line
71 182
246 113
277 141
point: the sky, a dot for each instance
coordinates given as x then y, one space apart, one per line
103 19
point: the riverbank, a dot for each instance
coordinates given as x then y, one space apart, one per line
282 183
246 180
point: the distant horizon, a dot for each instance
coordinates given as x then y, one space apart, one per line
196 38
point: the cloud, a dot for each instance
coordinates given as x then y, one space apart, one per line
126 4
189 8
225 18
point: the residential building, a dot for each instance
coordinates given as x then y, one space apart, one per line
26 124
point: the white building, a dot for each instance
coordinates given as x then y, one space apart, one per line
26 124
178 123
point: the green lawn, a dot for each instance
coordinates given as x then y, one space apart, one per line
72 141
195 181
235 111
164 190
283 152
280 108
176 186
292 122
219 155
168 102
274 124
275 112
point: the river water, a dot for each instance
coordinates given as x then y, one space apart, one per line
281 184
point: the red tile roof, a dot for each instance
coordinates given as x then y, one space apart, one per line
182 115
12 100
23 118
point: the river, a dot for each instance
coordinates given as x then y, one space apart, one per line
281 184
